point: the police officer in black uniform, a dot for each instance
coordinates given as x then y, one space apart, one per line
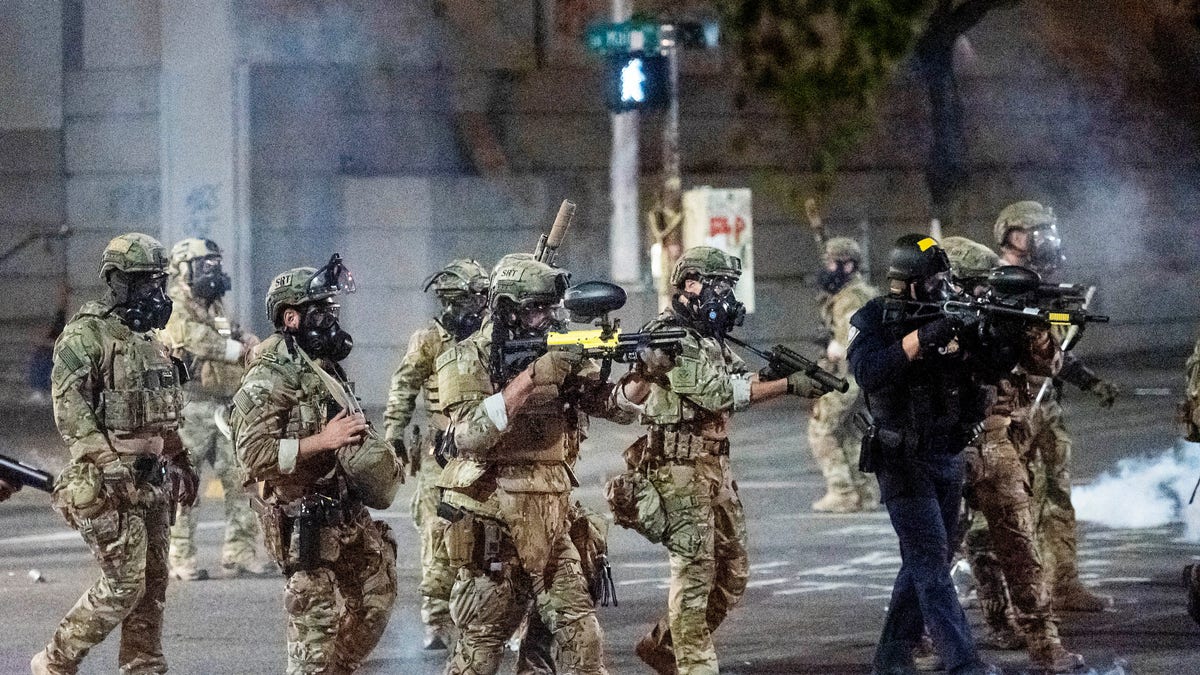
920 371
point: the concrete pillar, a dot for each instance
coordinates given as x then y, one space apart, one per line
203 115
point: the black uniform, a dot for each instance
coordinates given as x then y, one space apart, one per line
924 411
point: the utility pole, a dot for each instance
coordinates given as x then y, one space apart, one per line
624 237
669 219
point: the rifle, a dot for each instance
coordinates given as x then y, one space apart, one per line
16 473
588 302
783 362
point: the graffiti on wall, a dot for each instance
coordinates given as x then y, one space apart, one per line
134 203
201 208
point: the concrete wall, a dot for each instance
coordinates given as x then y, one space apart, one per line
357 144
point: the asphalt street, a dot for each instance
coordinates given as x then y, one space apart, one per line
817 593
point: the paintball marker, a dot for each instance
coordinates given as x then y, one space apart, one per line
1018 293
588 302
16 473
783 362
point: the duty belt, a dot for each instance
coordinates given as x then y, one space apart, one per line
675 445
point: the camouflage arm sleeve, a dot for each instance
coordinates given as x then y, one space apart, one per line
1041 355
701 382
77 384
261 408
841 311
416 367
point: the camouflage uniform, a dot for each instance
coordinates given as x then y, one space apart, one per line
117 405
200 334
461 287
511 483
416 373
834 440
1001 540
338 605
685 457
1054 516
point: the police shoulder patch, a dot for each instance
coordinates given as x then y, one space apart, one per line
853 334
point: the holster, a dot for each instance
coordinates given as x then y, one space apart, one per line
880 446
276 530
312 513
474 541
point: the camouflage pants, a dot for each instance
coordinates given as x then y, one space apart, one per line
1000 542
1052 510
130 543
205 444
436 575
706 541
359 569
542 575
836 443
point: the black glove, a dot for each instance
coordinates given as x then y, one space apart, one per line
936 335
401 451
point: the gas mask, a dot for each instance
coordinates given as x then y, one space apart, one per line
1043 249
935 288
320 334
715 311
208 280
141 300
536 318
462 313
832 281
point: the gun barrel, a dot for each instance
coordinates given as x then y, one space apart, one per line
827 379
13 471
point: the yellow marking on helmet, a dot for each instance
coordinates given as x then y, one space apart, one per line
1060 318
925 243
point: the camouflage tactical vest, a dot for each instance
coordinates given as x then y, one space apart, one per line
192 322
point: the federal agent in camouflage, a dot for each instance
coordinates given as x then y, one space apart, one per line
509 484
832 435
686 403
117 402
1001 539
461 287
340 564
1027 234
200 334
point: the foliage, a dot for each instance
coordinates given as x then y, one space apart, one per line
826 61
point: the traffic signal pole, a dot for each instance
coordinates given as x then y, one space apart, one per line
624 235
671 199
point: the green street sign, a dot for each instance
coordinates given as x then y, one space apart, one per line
625 36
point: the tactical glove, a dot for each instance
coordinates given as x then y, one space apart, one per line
553 367
800 384
654 363
183 484
1106 391
936 335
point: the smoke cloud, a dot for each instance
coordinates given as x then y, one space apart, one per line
1145 492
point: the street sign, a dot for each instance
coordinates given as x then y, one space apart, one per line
626 36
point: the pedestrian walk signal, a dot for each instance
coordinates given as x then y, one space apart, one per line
637 81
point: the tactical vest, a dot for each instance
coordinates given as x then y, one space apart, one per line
701 362
142 393
430 385
211 378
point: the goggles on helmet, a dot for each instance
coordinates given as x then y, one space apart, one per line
332 279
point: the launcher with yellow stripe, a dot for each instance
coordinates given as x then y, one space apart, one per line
588 302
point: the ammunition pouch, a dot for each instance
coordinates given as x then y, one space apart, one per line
674 445
146 409
637 505
476 542
276 531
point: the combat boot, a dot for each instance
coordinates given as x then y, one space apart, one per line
1191 580
1047 653
660 659
437 637
1073 596
925 657
188 571
40 665
231 569
839 501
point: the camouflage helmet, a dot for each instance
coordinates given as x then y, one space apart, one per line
705 261
133 252
1026 215
463 275
969 259
190 249
307 284
843 248
522 279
